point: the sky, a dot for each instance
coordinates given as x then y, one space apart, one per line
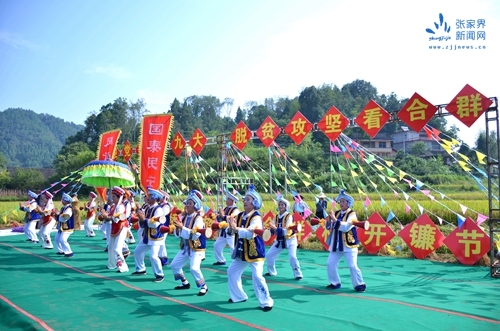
69 58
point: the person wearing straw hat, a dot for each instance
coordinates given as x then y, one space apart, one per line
249 250
90 208
31 216
285 238
65 226
46 210
152 240
224 238
119 228
193 244
321 206
343 241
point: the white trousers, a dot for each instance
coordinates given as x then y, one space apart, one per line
44 233
106 229
87 225
163 247
115 251
140 253
332 264
30 230
219 246
274 252
260 288
62 244
194 258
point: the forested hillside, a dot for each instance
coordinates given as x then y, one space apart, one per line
28 139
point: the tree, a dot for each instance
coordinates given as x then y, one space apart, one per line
71 158
240 116
419 148
24 179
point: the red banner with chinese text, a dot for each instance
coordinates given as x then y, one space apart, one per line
417 112
422 236
178 144
379 234
127 151
107 145
372 118
155 132
298 127
268 131
468 105
333 123
241 135
266 221
468 243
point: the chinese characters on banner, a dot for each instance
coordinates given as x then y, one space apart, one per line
417 112
177 144
379 234
372 118
197 141
298 128
333 123
468 105
268 131
422 236
107 145
468 243
153 141
241 135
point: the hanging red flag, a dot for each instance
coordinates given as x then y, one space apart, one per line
241 135
177 144
372 118
333 123
107 145
417 112
298 128
268 131
197 141
468 105
127 151
155 131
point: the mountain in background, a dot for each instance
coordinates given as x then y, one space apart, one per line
32 140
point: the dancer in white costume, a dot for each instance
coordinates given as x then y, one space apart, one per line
46 209
90 208
231 210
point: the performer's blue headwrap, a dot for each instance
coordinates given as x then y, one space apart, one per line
66 197
196 197
32 194
347 197
257 200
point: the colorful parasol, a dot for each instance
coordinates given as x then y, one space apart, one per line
107 174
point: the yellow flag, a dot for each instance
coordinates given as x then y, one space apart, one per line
373 184
464 157
361 192
282 168
379 167
447 142
306 183
195 176
361 169
183 187
307 175
294 162
295 169
254 171
389 163
288 182
480 157
174 176
401 174
446 148
393 180
353 174
454 142
464 165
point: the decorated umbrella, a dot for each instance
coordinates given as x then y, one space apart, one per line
107 173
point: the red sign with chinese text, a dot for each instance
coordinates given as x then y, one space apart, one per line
333 123
127 151
267 219
379 234
268 131
298 128
422 236
241 135
107 145
372 118
322 234
177 144
417 112
197 141
468 105
468 243
305 230
153 141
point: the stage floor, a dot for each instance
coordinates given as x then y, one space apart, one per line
40 290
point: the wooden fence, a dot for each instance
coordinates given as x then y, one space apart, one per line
13 193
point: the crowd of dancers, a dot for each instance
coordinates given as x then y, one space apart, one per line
241 231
